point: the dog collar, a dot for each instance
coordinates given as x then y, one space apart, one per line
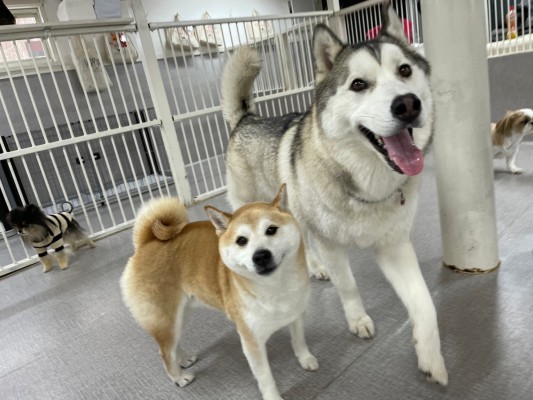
365 201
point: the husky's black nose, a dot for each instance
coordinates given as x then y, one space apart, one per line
264 262
406 107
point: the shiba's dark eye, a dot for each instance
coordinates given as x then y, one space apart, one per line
271 230
405 70
358 85
241 241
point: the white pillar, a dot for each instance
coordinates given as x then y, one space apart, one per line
455 44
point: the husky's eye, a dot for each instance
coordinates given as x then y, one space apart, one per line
405 70
358 85
271 230
241 241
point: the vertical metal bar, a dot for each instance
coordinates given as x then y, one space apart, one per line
157 91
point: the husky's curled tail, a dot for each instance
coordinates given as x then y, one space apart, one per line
160 219
237 82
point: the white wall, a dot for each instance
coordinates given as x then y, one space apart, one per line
164 10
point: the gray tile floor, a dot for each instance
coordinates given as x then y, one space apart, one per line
67 335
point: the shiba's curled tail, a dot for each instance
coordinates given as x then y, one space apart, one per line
237 82
161 219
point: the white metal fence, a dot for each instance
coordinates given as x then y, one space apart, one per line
106 125
107 114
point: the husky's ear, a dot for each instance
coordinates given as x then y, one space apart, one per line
391 25
219 219
326 47
281 201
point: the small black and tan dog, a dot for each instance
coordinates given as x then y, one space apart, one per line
41 231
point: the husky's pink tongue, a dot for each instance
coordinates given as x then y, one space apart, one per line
404 153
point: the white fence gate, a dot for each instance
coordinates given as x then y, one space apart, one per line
90 114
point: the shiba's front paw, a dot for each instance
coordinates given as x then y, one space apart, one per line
321 275
318 271
184 379
308 362
46 268
188 361
63 265
362 327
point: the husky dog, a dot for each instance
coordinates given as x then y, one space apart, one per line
250 265
507 135
43 231
350 164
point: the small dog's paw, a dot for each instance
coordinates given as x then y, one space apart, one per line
363 327
188 361
517 171
63 266
184 379
91 244
47 268
309 362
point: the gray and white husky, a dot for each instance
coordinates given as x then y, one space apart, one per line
351 166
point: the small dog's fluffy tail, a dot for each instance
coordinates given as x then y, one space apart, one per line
237 82
160 219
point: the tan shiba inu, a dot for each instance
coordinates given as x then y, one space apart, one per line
249 264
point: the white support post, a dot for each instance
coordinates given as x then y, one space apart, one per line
159 99
455 44
336 23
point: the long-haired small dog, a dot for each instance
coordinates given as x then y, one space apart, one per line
42 231
507 134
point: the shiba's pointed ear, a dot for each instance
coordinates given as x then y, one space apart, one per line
391 25
326 47
219 219
281 201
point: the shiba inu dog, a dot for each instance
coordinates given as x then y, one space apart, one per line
507 135
249 264
351 164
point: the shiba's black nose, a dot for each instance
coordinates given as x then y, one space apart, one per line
264 262
406 107
262 257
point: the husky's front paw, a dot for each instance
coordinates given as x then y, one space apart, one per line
273 396
517 171
432 364
308 362
362 327
184 379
